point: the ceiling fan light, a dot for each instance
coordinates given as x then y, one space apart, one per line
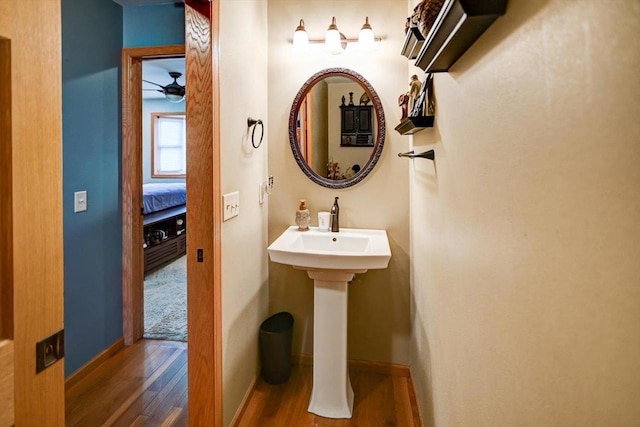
174 97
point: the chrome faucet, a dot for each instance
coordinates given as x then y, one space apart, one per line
334 222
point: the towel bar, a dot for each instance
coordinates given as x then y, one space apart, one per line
426 155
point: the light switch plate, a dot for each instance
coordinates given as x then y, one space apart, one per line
79 201
230 205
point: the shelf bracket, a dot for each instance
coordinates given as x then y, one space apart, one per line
426 155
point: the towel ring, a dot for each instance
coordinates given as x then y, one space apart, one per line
254 123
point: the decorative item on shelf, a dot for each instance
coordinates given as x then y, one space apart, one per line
403 103
253 122
419 101
422 107
334 41
424 15
455 27
364 99
430 101
414 90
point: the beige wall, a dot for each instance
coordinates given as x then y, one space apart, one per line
379 325
525 233
243 70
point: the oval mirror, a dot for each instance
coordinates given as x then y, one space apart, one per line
336 128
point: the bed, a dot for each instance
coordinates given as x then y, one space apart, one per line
165 223
160 196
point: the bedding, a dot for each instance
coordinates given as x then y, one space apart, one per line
160 196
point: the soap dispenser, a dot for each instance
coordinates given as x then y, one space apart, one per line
303 219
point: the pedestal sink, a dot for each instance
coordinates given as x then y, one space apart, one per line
331 260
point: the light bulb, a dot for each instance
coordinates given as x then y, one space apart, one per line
332 40
300 38
366 38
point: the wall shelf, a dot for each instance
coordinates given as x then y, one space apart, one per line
411 125
458 25
413 42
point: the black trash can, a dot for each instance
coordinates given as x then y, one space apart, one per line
276 334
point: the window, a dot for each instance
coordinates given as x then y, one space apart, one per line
168 145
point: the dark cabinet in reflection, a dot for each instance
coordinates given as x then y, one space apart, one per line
357 127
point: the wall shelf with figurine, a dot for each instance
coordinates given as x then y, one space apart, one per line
440 31
417 106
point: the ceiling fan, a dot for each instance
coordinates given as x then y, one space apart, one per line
174 92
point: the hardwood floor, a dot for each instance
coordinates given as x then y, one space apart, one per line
142 385
146 385
380 400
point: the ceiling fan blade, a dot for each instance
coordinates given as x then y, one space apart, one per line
153 83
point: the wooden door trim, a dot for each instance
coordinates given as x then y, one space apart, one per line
132 228
204 215
31 163
6 225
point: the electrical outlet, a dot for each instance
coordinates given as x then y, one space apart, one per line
230 205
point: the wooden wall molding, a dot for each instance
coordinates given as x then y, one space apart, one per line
244 403
304 359
204 218
201 6
91 365
384 368
7 405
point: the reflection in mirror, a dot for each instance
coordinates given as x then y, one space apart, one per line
336 128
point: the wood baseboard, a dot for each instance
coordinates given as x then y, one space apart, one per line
413 397
93 364
244 403
304 359
385 368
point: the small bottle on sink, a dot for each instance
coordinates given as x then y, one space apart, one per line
303 219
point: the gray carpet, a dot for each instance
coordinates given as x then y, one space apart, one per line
165 302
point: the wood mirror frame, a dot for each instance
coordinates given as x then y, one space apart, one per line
379 135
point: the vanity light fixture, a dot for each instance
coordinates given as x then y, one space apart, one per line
366 39
300 38
335 42
333 39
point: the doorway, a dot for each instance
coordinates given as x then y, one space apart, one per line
164 175
132 184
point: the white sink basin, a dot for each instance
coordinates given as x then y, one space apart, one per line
348 249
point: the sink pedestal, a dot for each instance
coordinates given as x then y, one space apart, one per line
331 395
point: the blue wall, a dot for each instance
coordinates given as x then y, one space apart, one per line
153 25
91 49
92 40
